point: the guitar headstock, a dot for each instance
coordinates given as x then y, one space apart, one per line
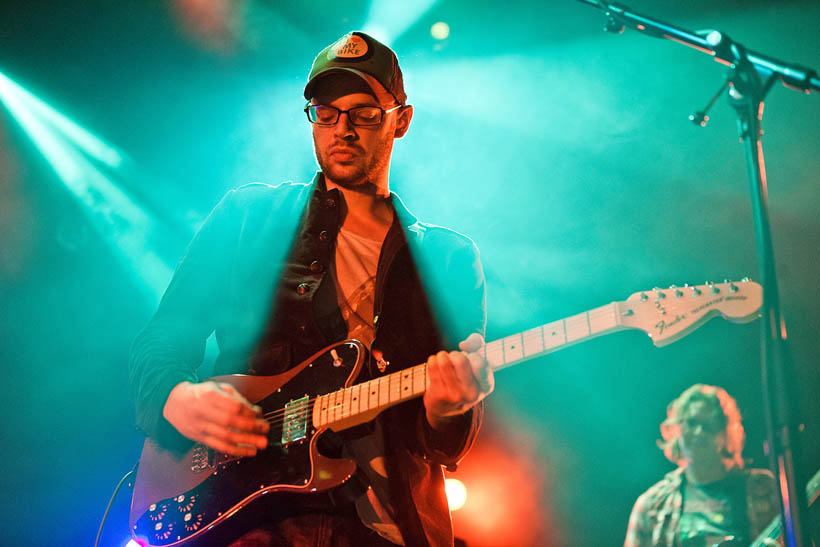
667 315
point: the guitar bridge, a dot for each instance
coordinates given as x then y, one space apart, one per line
294 428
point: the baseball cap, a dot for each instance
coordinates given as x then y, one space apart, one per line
362 55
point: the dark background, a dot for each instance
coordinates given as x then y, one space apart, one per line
565 153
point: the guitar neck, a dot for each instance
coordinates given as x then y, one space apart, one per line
554 336
360 403
666 315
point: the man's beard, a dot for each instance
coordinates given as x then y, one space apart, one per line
355 176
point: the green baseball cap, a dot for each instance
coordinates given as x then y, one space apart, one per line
360 54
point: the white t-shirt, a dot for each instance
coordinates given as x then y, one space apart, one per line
354 274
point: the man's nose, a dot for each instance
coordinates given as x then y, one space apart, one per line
343 126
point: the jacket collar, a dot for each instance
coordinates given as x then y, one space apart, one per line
408 220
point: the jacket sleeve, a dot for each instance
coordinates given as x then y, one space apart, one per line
459 297
171 347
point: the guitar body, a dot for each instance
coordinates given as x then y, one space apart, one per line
178 497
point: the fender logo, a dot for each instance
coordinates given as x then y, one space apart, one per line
662 324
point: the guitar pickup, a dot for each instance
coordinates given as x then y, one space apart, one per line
294 428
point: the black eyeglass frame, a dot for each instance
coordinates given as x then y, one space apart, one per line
339 113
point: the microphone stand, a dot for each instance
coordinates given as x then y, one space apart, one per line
749 79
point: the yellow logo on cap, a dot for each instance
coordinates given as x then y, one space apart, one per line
348 46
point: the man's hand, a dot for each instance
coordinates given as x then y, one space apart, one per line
456 381
218 416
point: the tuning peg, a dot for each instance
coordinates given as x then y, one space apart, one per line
732 287
714 288
695 290
677 292
644 298
746 279
658 293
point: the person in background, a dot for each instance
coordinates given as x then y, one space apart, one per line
711 498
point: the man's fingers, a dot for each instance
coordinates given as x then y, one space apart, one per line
452 381
472 343
463 371
482 372
232 437
473 346
442 377
237 422
234 401
233 449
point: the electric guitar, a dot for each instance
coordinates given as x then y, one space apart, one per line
180 498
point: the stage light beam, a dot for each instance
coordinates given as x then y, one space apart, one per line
74 154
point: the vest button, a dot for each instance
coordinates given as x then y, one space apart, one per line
330 203
324 236
302 288
316 267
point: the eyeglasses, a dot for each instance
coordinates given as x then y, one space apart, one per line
361 115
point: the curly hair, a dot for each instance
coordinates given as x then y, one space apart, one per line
716 397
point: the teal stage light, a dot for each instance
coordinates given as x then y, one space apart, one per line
87 167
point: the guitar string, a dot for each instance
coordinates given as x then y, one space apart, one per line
491 346
301 410
303 407
498 345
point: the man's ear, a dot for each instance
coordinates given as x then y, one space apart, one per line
403 121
